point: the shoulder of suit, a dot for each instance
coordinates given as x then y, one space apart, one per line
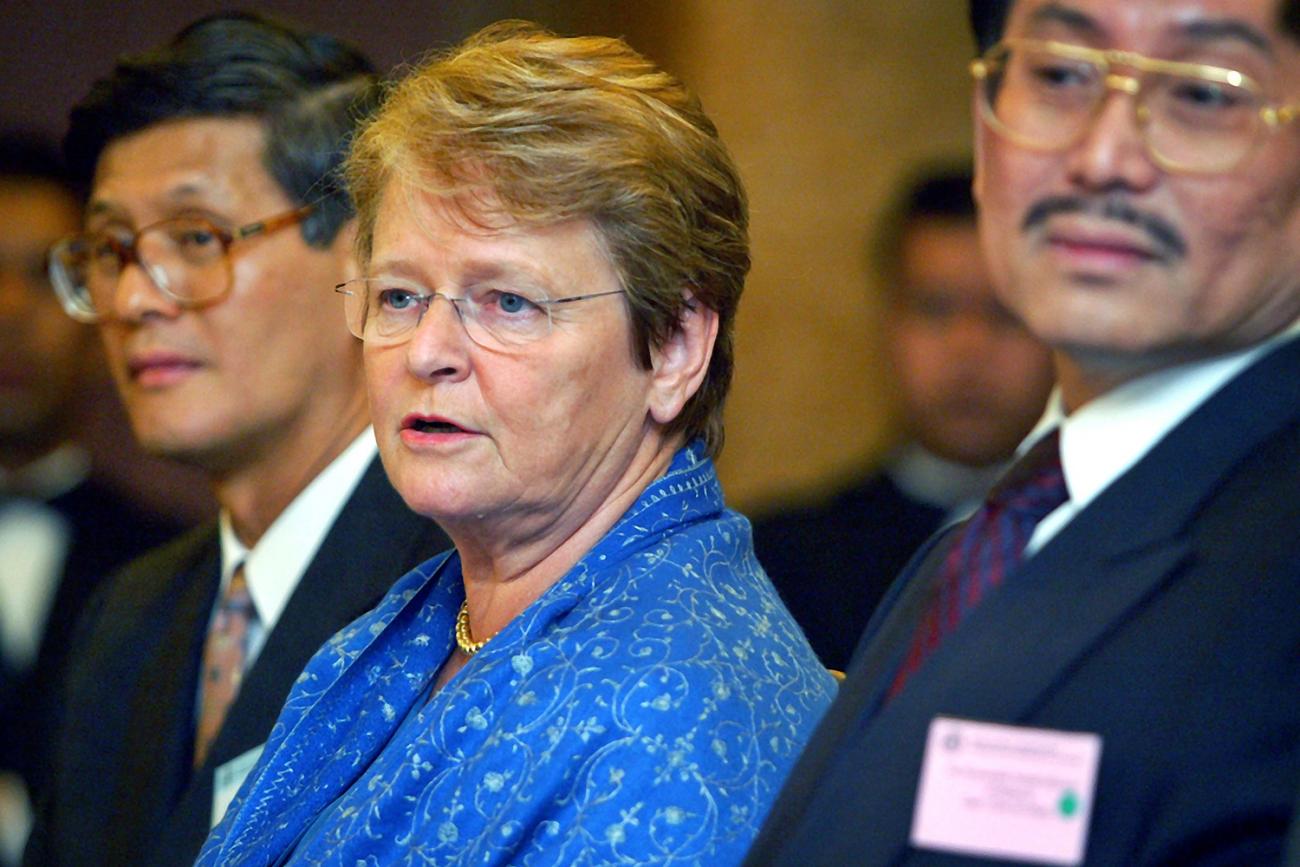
376 508
156 569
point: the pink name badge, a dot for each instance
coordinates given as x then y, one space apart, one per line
1003 791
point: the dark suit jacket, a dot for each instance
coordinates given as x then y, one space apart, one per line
1293 846
833 561
124 791
106 531
1165 617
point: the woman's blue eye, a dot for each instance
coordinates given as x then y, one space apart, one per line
512 303
396 299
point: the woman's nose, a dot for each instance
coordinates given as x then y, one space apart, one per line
438 347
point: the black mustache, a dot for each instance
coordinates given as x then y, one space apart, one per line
1166 237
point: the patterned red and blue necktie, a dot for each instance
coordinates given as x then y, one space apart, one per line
224 657
989 547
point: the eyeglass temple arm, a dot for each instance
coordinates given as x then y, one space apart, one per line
549 301
272 223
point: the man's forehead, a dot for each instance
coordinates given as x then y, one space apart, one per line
122 195
1253 24
212 162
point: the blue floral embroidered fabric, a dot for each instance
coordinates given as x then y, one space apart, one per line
644 710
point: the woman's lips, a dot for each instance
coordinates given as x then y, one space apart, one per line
417 428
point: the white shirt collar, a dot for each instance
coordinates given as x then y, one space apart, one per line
924 476
276 563
34 542
1103 439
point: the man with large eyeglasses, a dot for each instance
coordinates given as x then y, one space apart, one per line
1103 665
216 226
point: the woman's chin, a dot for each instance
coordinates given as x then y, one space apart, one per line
445 507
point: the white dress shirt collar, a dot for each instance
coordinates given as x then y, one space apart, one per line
274 566
1104 439
924 476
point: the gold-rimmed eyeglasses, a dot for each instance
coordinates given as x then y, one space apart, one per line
187 258
385 311
1193 118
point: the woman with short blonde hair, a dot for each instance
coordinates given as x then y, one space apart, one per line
554 244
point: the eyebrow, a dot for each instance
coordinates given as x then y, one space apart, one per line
185 194
1203 30
389 268
1228 29
472 271
1056 13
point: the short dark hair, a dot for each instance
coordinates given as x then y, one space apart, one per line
32 156
933 192
309 90
988 20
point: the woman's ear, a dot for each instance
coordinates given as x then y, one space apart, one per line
681 363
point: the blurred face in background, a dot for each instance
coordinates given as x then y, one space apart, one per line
267 367
42 351
973 381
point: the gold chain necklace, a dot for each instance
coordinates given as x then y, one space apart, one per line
464 640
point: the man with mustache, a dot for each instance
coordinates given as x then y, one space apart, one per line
215 230
1101 666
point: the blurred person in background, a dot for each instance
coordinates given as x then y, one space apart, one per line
555 241
971 382
62 531
214 231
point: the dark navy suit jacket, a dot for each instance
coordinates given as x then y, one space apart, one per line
124 790
1165 617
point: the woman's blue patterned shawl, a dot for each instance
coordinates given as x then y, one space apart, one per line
644 710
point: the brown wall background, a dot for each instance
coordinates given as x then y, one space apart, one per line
825 103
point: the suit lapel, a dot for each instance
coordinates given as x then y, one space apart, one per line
374 541
1117 552
158 747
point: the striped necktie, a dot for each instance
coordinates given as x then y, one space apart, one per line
988 547
224 656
